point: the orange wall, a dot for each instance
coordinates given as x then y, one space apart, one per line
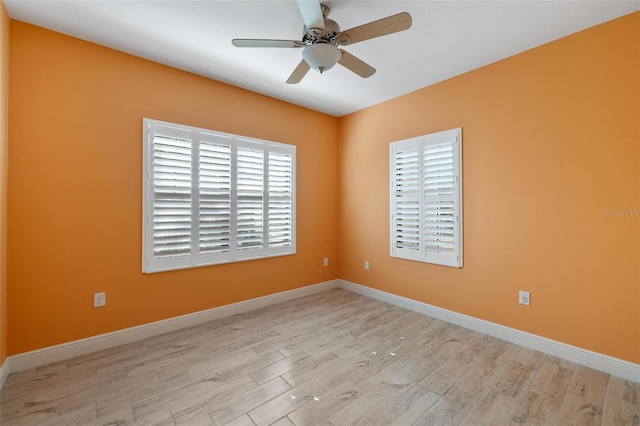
551 141
4 144
75 187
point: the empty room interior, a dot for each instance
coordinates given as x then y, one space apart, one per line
338 316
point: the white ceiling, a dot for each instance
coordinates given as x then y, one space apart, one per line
447 38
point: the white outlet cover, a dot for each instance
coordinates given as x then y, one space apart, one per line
524 298
99 299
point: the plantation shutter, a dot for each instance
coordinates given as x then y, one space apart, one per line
405 200
214 198
169 239
214 214
441 197
250 199
280 201
426 202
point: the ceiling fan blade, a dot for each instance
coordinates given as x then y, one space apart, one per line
253 42
384 26
298 74
311 13
356 65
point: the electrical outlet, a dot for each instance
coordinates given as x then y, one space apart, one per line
366 264
99 299
326 261
524 298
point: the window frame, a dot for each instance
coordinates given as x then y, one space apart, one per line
410 201
199 137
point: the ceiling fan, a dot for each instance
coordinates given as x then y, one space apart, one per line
322 36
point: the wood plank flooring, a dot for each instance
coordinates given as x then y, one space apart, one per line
334 358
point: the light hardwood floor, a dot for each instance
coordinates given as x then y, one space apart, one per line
334 358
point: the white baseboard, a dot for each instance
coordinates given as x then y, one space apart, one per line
4 373
39 357
618 367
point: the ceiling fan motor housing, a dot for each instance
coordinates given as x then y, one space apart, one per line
318 35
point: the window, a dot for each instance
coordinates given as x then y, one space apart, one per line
211 197
426 198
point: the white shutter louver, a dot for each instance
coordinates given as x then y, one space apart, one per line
171 197
215 198
439 210
212 198
426 201
280 218
250 210
405 233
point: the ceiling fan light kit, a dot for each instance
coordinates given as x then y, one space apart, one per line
322 36
321 56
